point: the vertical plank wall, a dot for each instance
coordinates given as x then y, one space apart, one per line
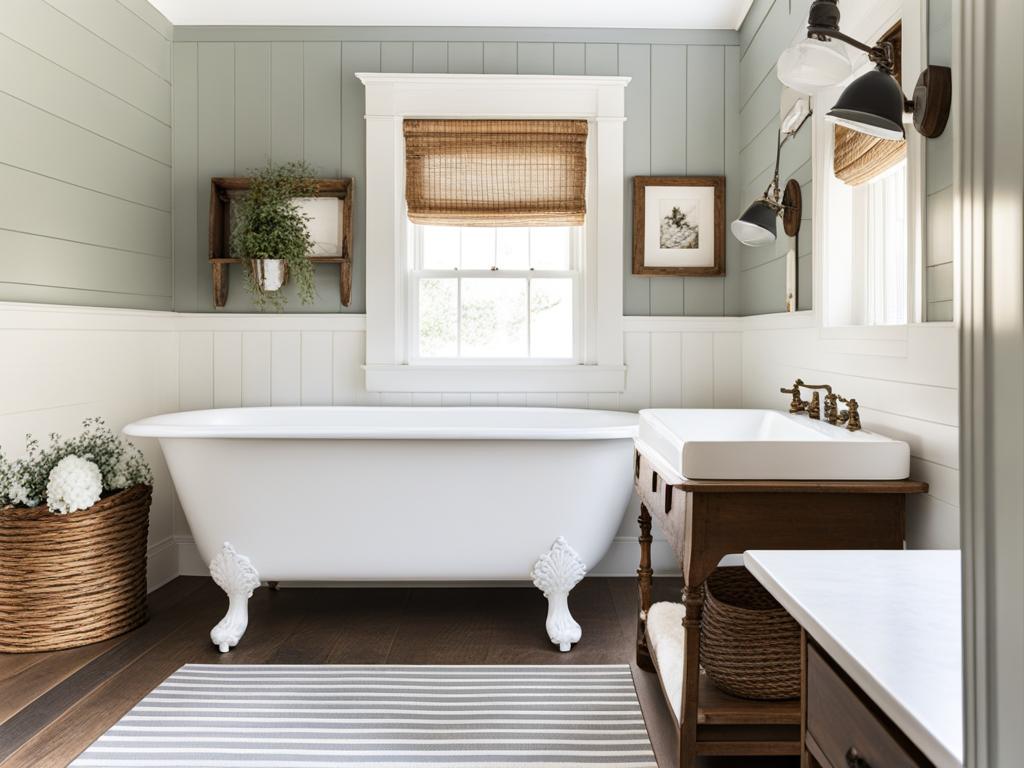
769 27
245 96
85 153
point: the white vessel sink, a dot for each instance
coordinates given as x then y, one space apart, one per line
749 444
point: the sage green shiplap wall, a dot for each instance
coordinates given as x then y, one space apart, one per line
245 95
939 180
85 153
770 26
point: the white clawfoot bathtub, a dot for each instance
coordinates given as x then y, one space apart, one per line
436 494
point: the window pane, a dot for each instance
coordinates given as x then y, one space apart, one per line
550 247
440 247
513 248
477 247
439 315
551 317
494 317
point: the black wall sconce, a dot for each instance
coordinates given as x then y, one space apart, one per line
874 103
757 225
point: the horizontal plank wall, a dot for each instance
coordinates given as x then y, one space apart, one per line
770 27
244 96
85 153
74 363
907 388
939 278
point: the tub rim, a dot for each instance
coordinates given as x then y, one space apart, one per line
618 425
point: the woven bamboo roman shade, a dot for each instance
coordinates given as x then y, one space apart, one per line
858 158
489 173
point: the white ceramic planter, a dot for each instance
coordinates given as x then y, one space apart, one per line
270 274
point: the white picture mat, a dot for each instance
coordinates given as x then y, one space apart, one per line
704 200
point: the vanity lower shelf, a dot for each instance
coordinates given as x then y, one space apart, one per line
770 727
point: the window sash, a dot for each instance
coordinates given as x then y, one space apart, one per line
416 273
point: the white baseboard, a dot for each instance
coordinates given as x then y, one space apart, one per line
162 563
621 559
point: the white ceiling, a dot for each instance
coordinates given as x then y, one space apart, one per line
644 14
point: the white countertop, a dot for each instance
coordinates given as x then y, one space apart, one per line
891 620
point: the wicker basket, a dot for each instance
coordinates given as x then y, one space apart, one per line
70 580
749 645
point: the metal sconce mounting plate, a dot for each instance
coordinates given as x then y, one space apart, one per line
932 97
792 210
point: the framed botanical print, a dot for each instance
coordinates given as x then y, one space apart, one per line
679 225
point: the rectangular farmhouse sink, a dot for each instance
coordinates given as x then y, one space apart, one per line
751 444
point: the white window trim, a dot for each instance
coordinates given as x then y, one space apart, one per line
868 21
390 98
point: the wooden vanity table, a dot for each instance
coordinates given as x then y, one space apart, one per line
705 520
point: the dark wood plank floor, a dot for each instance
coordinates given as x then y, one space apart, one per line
53 705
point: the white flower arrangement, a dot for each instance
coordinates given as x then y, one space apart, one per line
73 474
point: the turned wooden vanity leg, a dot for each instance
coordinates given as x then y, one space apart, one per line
644 581
693 602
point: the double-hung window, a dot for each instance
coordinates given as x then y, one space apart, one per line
495 242
495 293
494 233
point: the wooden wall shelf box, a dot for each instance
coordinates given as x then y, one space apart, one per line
223 189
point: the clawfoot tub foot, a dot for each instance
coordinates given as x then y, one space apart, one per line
555 573
235 574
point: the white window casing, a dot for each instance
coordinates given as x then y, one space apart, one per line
390 98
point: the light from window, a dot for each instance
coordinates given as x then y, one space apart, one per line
885 199
495 293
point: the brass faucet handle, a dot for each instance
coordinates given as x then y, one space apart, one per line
814 408
853 420
795 404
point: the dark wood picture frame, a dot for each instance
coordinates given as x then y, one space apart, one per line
640 184
223 188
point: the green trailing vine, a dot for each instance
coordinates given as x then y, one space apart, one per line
269 225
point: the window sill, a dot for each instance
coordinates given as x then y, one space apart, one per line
495 378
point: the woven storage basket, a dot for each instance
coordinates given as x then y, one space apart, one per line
70 580
749 645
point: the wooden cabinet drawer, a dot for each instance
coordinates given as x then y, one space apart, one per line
847 730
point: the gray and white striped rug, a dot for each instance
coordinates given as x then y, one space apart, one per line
294 716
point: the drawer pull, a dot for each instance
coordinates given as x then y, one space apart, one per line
854 760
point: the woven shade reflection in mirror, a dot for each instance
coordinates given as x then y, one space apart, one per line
859 158
489 173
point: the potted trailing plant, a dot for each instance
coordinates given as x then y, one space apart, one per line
74 516
271 234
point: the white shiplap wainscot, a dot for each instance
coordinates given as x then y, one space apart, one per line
64 364
250 360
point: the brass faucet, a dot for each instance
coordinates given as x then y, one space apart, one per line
849 418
